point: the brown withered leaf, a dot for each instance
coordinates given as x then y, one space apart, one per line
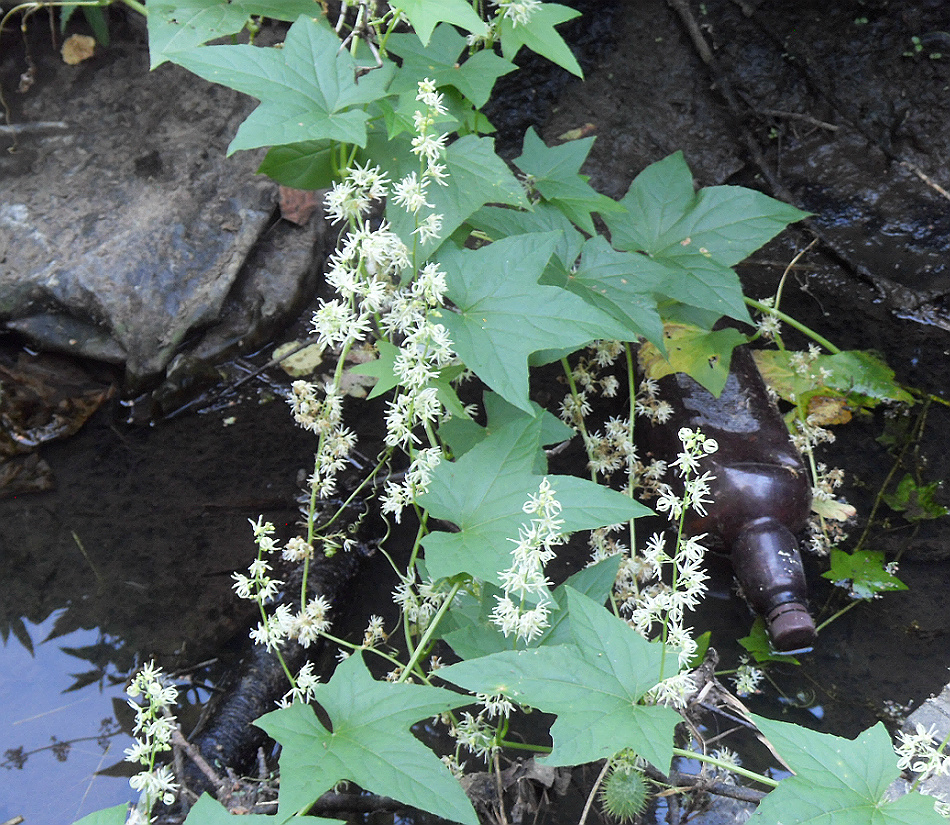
297 205
76 48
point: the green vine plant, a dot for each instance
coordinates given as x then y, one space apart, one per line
450 264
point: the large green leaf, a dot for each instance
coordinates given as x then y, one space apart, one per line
472 633
504 315
307 89
624 284
369 743
593 685
702 233
667 219
181 25
208 811
554 171
483 493
425 15
307 165
442 61
539 36
837 781
476 176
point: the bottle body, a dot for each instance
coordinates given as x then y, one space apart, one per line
761 495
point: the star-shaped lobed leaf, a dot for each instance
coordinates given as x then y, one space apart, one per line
483 493
208 811
554 171
369 744
476 176
702 233
504 315
668 219
593 685
472 633
307 89
865 572
425 15
539 36
702 354
837 781
181 25
441 61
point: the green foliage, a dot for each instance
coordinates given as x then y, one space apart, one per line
863 572
483 492
425 15
505 315
307 89
524 286
554 172
208 811
368 743
593 685
837 781
176 26
697 236
760 646
445 59
540 36
917 502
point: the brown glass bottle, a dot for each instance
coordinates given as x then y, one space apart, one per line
761 495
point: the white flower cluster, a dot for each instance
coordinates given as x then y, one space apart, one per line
922 752
656 587
414 483
258 586
649 404
153 729
476 735
368 271
768 324
419 601
695 487
519 12
747 678
523 609
302 689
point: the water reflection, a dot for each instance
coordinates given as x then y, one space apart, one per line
54 737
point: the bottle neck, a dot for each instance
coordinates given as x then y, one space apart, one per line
769 568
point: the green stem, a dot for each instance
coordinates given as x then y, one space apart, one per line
727 766
580 418
838 615
523 746
787 319
135 6
422 647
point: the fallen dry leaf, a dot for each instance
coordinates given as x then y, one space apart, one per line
76 48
